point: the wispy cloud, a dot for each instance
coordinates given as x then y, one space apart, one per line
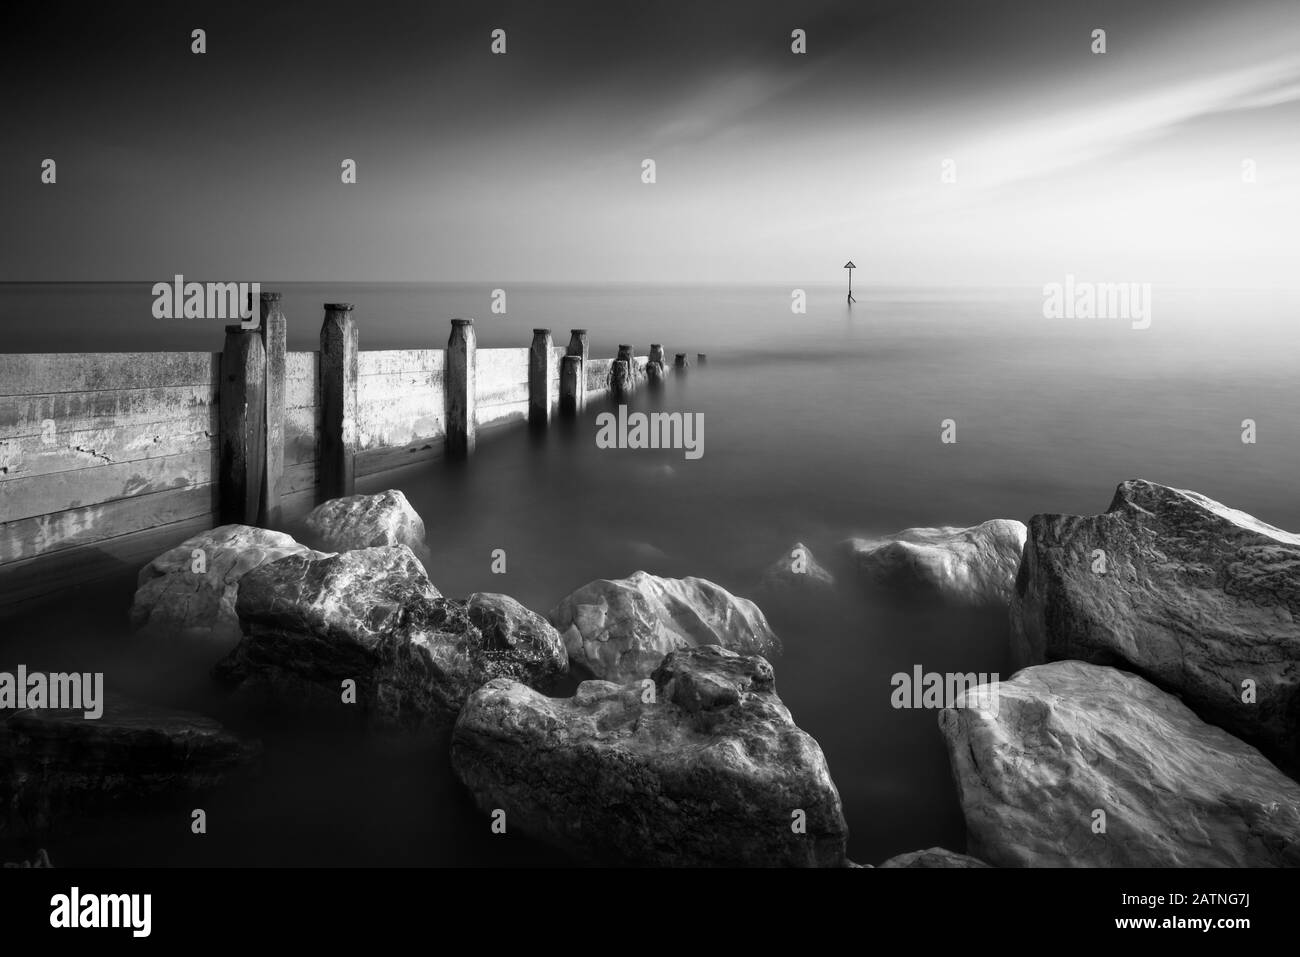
1049 144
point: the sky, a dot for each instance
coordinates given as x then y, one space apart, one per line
770 165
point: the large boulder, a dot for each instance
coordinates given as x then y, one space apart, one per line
796 573
963 567
1197 597
620 630
367 521
701 765
57 767
934 857
1072 741
186 596
372 616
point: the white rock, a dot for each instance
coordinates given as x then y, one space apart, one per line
1070 741
1195 595
964 567
367 521
186 596
622 629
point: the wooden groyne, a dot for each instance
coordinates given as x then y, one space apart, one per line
106 459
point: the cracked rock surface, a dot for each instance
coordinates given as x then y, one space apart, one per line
621 629
367 521
1194 595
963 567
372 616
186 600
1070 740
700 765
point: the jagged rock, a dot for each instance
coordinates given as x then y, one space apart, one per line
933 857
796 572
622 629
57 767
186 596
372 616
1071 739
708 770
1181 589
516 642
963 567
367 521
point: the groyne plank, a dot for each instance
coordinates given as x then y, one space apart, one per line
39 495
32 373
390 361
32 455
51 576
25 415
50 533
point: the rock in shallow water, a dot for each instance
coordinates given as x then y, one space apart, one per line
516 642
372 616
622 629
1070 739
1194 595
963 567
57 767
934 857
797 572
367 521
709 772
186 596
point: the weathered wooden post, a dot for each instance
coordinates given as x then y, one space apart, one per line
573 375
656 367
573 385
338 402
578 345
620 378
242 426
541 373
274 328
461 382
681 361
625 355
701 359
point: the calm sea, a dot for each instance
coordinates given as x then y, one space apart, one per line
818 426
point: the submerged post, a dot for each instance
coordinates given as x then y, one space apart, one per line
654 374
242 424
657 353
701 359
620 378
681 362
541 373
461 382
338 402
274 328
625 352
573 385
